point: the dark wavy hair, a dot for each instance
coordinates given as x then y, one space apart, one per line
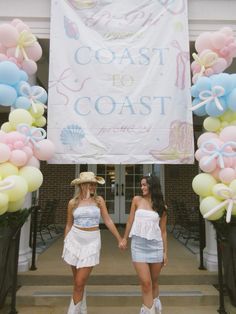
157 198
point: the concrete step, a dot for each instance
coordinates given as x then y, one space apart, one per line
115 310
114 296
37 279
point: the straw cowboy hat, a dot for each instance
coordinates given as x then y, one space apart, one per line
86 177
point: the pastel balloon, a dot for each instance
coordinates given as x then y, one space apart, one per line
217 188
203 183
206 137
227 175
37 111
44 150
33 176
7 169
29 66
4 152
228 133
40 122
9 73
3 203
23 103
8 35
209 203
18 157
8 95
6 127
206 165
232 185
34 162
211 124
16 205
19 116
19 190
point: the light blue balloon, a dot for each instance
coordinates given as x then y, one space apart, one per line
23 76
9 73
194 91
200 111
213 111
40 90
203 83
231 100
8 95
22 103
223 80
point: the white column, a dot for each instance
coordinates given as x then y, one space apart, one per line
210 251
25 252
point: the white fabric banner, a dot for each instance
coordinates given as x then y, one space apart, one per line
119 82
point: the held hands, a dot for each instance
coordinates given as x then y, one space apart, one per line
123 244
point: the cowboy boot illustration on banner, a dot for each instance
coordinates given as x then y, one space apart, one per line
180 147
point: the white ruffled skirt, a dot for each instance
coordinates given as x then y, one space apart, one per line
82 248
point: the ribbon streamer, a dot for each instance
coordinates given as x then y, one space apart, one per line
25 39
217 151
6 184
230 199
205 61
32 135
209 95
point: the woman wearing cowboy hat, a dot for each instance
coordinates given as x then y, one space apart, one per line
82 235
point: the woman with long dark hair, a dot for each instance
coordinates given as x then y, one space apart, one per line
146 226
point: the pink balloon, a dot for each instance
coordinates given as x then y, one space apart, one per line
207 166
206 137
28 150
18 144
34 52
29 66
218 40
5 152
8 35
18 158
228 133
33 162
215 173
45 150
227 175
199 154
11 53
14 136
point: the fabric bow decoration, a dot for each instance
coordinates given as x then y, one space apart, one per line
210 95
32 135
25 39
32 93
217 151
229 197
6 184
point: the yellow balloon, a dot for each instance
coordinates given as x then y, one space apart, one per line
203 183
216 188
19 116
6 127
227 116
15 206
232 185
37 111
8 169
3 203
209 203
33 176
40 122
19 190
211 124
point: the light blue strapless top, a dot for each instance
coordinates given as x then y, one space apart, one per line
87 216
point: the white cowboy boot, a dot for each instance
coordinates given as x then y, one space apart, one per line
158 305
146 310
83 308
74 308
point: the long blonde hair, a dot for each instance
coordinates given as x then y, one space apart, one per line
82 192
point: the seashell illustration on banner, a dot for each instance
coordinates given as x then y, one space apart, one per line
72 136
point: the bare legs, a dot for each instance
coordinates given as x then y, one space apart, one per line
80 278
148 277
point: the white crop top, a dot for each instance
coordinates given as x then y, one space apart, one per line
87 216
146 225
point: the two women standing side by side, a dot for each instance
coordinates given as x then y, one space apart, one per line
82 241
146 226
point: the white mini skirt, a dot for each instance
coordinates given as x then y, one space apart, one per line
82 248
